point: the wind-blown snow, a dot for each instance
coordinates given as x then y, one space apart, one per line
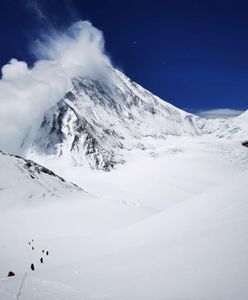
25 94
79 50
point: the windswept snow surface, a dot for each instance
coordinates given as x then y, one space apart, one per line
168 224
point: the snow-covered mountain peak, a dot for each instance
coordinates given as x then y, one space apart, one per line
97 122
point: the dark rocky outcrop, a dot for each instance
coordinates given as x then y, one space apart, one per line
245 143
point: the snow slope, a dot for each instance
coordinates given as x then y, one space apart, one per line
24 182
36 204
195 250
183 235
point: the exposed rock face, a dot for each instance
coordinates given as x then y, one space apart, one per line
245 143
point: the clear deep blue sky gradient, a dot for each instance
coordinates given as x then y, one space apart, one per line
194 54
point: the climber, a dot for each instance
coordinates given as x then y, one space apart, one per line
11 274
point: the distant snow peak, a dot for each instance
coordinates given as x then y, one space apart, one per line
221 113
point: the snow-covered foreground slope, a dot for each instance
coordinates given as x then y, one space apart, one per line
167 226
195 250
36 204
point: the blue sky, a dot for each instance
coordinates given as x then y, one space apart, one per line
191 53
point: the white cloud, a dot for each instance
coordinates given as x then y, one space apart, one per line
14 69
24 96
222 113
26 93
79 50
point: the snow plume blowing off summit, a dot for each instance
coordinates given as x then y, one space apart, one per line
26 93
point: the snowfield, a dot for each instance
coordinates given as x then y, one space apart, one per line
171 223
133 198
